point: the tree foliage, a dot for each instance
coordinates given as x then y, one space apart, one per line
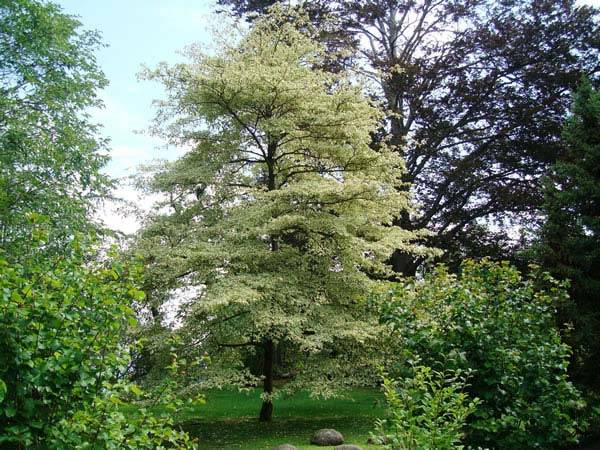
477 90
570 238
280 211
50 156
64 306
498 327
63 361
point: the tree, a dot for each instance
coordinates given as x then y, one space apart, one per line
51 156
476 100
64 308
570 238
279 212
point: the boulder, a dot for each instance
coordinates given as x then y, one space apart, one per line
327 436
347 447
284 447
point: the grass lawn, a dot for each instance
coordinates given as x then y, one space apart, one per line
229 419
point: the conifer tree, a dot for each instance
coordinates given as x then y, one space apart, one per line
280 214
571 236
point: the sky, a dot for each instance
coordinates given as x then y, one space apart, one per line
136 32
140 32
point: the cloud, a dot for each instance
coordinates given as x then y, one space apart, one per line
124 210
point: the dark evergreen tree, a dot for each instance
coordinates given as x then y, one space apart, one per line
570 238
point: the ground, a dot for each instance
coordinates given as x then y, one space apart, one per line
229 419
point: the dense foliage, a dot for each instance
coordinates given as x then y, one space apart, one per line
475 93
570 238
62 323
280 214
427 410
500 327
64 305
50 156
292 207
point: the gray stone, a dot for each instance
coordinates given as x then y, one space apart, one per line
284 447
327 436
347 447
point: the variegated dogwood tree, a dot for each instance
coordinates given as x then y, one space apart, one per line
281 212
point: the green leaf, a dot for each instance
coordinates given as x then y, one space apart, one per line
136 294
10 411
135 389
3 390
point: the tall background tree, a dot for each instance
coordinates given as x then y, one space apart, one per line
63 309
279 213
475 92
570 236
51 153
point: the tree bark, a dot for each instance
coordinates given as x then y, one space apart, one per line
266 412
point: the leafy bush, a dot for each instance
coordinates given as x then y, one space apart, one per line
62 358
492 321
108 423
427 410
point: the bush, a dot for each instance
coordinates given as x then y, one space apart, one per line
500 326
427 410
107 423
62 358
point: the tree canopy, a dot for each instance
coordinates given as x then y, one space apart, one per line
282 212
570 236
477 91
51 153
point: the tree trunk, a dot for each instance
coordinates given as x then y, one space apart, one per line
266 412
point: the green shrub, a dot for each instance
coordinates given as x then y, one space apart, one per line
109 423
427 410
63 364
492 321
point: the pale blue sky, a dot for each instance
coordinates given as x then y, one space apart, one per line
137 32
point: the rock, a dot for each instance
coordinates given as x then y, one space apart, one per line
378 440
347 447
327 436
284 447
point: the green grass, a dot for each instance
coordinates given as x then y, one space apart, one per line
228 420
